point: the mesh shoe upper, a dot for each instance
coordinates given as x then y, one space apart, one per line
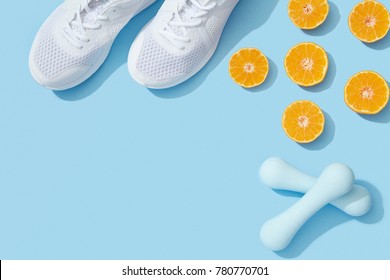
156 61
52 58
76 39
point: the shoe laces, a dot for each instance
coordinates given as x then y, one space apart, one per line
187 14
87 17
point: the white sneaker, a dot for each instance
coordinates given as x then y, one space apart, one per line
76 39
178 42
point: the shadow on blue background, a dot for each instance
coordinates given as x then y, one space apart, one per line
330 23
329 78
328 218
271 78
258 13
381 117
381 44
117 57
377 211
325 138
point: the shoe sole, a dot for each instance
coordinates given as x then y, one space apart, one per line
96 66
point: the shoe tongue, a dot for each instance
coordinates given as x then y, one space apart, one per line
89 14
203 2
188 9
98 4
186 12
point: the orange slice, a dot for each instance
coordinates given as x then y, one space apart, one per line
306 64
366 93
369 21
303 121
308 14
248 67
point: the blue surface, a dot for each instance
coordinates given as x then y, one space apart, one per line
111 170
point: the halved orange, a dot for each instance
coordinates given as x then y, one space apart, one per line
303 121
369 21
367 92
308 14
306 64
248 67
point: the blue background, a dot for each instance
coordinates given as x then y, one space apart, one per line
112 170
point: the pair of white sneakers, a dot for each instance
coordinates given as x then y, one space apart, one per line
75 40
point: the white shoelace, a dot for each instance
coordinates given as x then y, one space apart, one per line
193 19
75 30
